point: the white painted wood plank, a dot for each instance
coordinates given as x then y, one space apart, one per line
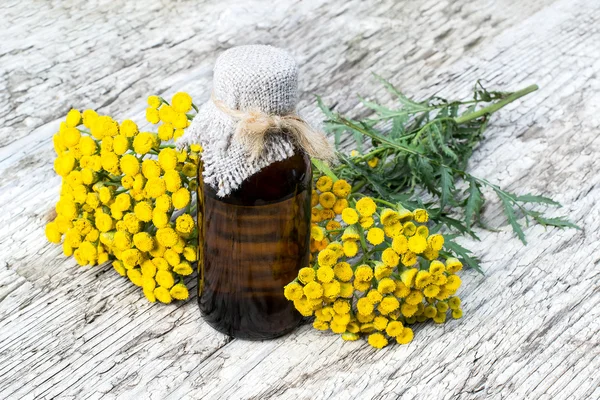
66 332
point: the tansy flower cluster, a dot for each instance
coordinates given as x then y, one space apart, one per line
374 268
126 196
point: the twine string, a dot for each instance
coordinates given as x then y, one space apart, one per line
254 126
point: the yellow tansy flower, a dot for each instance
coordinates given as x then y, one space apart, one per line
179 292
386 285
181 198
118 266
185 224
162 294
341 188
436 242
120 144
390 257
405 337
389 217
155 187
375 236
364 306
431 291
436 267
313 290
165 279
325 274
341 306
331 289
421 215
377 340
306 275
350 216
343 271
453 265
350 233
363 273
408 277
324 183
366 206
409 259
317 233
52 233
327 258
409 229
190 253
327 200
293 291
366 222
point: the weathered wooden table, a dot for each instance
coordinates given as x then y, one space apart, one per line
531 325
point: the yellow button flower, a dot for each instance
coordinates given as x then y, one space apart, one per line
375 236
313 290
143 241
144 142
364 306
162 294
453 265
405 337
341 188
366 206
436 242
135 276
181 102
179 292
167 237
185 224
52 233
152 115
143 211
89 116
165 279
327 200
421 215
363 273
390 258
167 158
343 271
386 285
181 198
172 180
377 340
350 216
293 291
324 183
165 132
128 128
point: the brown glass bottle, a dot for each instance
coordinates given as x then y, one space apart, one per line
252 243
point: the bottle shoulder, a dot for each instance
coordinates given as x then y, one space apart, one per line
277 182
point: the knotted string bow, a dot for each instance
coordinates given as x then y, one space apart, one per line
254 126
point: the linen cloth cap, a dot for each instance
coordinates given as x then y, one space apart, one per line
254 77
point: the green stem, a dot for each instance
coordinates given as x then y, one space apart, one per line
492 108
387 203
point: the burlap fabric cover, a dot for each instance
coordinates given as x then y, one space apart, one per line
246 77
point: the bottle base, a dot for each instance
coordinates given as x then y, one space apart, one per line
249 335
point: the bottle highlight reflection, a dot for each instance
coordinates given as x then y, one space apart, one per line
252 243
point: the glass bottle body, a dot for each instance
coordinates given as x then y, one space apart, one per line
252 243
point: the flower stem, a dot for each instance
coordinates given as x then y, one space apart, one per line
492 108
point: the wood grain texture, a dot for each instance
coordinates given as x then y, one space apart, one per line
531 326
